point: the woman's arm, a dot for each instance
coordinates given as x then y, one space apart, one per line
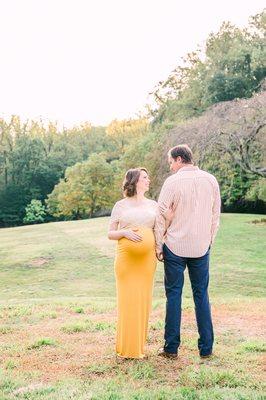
116 234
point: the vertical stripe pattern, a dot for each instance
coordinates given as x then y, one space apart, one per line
194 196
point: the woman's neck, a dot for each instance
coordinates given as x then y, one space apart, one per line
139 197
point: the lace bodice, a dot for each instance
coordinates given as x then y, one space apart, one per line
128 215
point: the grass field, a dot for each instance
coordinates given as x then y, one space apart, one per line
57 319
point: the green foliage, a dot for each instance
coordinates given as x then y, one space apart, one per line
13 200
125 132
39 161
234 183
35 212
232 66
257 191
147 151
86 189
33 158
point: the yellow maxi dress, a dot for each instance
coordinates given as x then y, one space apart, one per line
135 264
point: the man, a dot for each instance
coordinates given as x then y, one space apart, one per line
193 196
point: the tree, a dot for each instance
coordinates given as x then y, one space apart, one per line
35 212
124 131
231 65
257 191
227 140
238 128
34 156
86 189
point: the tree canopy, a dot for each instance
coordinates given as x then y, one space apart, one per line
214 101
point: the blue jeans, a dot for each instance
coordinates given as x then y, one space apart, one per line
198 269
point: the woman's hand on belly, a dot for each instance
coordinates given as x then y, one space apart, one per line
132 234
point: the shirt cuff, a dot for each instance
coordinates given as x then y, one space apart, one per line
159 248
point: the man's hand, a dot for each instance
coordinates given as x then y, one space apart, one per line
159 255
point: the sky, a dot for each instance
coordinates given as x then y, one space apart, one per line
73 61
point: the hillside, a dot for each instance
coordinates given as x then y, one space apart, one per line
57 318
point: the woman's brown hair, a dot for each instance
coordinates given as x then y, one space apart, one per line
131 180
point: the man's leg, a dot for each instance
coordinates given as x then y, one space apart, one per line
198 269
174 267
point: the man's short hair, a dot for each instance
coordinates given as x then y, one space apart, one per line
183 151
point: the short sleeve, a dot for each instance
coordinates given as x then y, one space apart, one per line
116 213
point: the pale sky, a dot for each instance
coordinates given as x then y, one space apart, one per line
96 60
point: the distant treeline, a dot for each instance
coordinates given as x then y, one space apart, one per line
215 102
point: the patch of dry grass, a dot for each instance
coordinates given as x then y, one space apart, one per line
58 317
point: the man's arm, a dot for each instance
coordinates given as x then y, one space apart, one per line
216 212
165 201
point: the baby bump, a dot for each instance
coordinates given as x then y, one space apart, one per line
146 245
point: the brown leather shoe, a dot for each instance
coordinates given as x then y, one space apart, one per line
206 356
165 354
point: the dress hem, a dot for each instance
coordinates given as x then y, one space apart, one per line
131 357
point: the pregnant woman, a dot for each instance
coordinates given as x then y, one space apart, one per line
132 223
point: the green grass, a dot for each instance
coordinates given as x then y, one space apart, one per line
254 347
87 326
58 315
143 370
80 257
42 342
75 328
5 330
79 310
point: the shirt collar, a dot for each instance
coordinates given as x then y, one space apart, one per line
188 168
